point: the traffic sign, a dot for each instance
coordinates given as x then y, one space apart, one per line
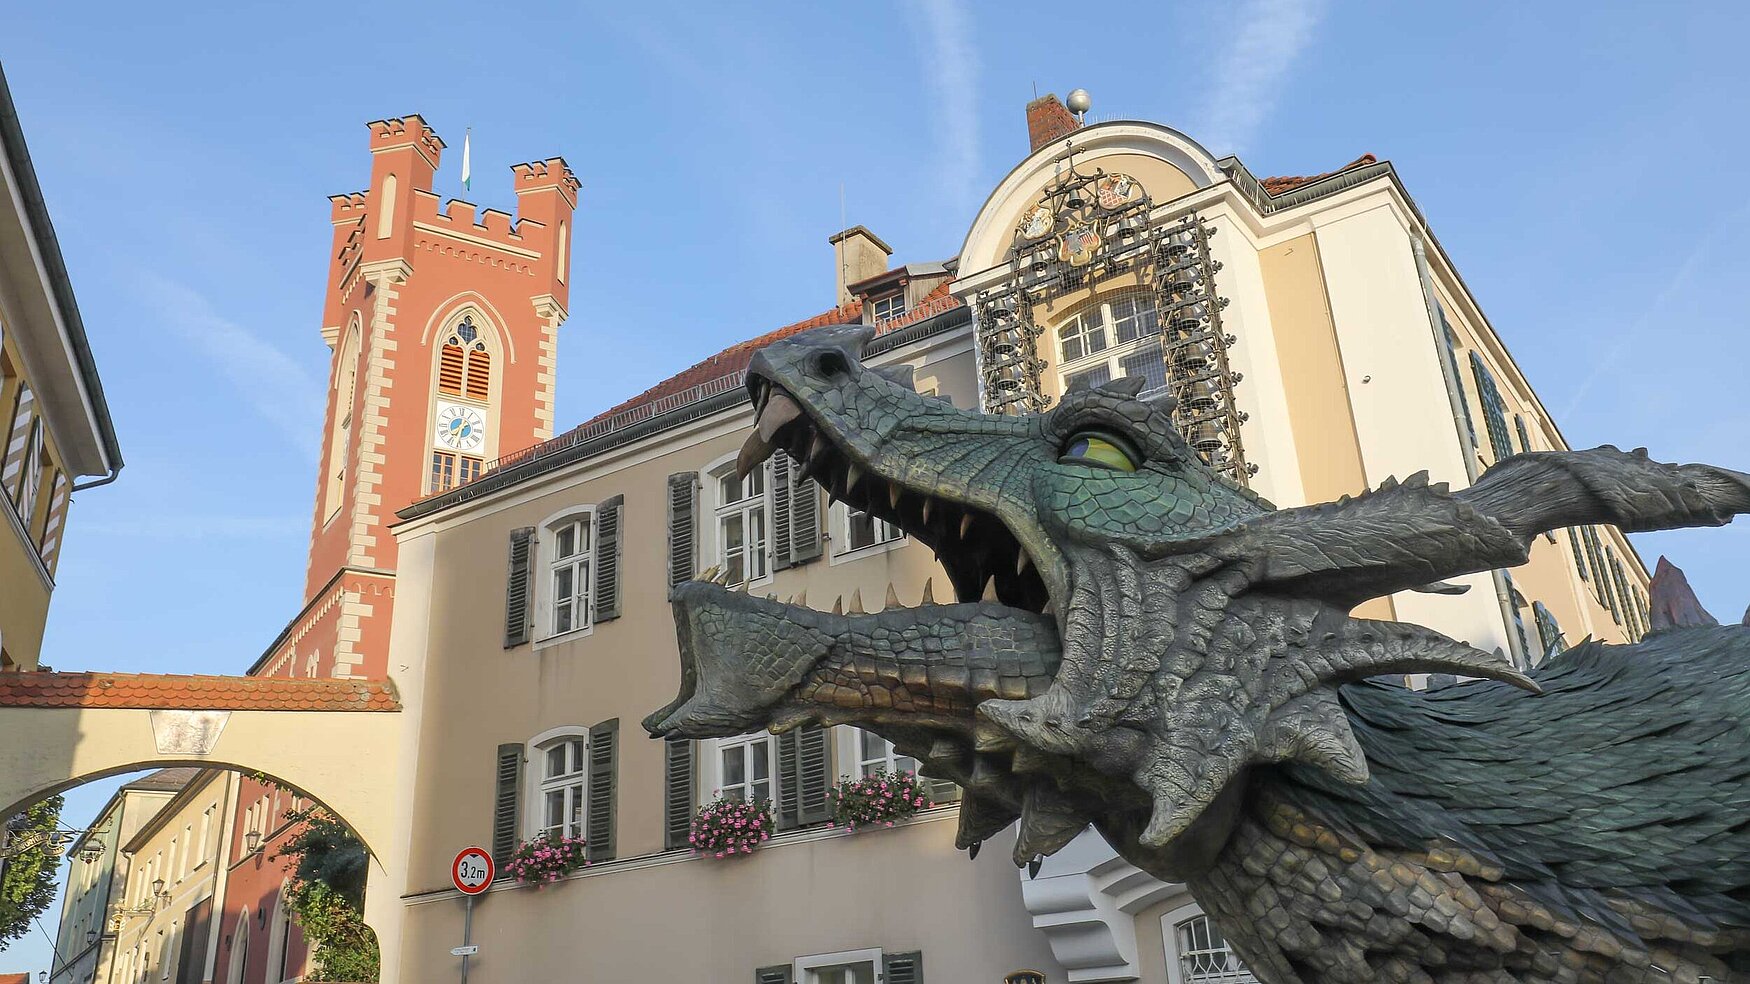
465 951
472 871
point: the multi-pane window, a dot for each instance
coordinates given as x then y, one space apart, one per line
863 530
1113 337
1494 408
743 541
464 364
1205 957
1524 435
876 754
564 778
891 306
449 470
745 768
568 576
1579 555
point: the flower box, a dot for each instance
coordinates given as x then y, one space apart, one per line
545 859
728 827
880 799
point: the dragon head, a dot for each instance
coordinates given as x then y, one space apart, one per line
1125 640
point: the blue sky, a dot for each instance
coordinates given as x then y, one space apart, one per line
1580 162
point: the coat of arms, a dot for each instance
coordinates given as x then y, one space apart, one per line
1114 190
1077 246
1037 222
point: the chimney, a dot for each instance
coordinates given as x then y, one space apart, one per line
1048 120
858 254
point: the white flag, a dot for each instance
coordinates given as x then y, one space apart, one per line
467 166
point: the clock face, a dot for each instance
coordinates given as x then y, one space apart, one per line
460 427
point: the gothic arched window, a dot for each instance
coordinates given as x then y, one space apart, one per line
464 364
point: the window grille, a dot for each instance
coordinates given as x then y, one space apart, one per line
1204 956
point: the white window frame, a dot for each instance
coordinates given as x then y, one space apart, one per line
719 511
539 783
841 537
713 770
802 968
1170 923
544 564
896 299
1113 355
851 762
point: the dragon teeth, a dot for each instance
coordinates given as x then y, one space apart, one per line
778 411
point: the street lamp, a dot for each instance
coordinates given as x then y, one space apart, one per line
252 841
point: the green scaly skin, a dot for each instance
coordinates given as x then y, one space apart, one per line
1163 655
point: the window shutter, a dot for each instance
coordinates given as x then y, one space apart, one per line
678 793
795 513
902 968
773 975
479 373
783 485
516 588
804 517
803 777
607 559
505 803
683 508
604 765
451 361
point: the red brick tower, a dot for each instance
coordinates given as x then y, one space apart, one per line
443 326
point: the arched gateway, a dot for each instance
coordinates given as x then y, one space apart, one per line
59 730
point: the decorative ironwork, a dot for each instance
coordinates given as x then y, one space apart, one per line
1084 230
1196 347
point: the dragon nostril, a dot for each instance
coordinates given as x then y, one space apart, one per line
830 365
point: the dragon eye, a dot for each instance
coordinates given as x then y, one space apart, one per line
1099 450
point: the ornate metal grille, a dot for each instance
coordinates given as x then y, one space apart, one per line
1086 229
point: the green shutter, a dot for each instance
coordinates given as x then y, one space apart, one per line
773 975
1524 435
683 508
1494 409
505 802
902 968
678 793
608 553
783 484
804 775
1579 555
516 588
604 767
795 514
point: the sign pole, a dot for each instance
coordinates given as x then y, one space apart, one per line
467 931
472 873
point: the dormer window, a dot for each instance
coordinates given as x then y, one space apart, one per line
891 306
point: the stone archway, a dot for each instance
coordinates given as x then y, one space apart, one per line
324 738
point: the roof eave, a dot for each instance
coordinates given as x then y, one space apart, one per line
27 197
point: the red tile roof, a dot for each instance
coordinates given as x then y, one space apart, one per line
159 691
736 357
1276 186
14 979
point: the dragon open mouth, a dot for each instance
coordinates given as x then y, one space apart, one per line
982 558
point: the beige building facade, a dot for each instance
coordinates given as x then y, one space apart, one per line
165 929
1320 342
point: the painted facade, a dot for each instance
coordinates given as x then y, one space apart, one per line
1356 354
92 915
56 426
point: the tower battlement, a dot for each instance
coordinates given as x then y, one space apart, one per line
407 131
349 207
550 173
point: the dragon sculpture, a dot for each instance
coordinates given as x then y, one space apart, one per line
1142 646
